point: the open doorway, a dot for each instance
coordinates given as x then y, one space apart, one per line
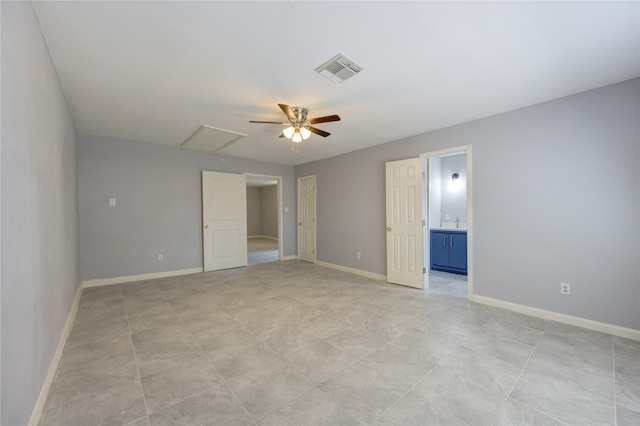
264 230
447 206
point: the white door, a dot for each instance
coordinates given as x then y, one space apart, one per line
307 219
224 220
405 247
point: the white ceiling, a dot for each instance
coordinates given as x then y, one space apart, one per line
157 71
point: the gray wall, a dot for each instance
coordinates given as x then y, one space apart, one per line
254 211
159 205
556 198
39 212
434 204
269 211
454 202
262 211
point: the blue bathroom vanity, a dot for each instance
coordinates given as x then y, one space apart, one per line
449 250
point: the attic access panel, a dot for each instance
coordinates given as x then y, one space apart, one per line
211 139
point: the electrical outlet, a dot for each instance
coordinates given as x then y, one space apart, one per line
160 257
358 255
565 288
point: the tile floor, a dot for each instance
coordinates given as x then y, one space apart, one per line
446 284
292 343
261 250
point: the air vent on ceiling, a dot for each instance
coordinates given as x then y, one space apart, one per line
211 139
339 68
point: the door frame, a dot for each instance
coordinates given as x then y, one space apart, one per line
315 214
280 227
463 149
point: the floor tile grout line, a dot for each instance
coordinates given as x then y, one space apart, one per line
284 404
527 362
435 367
279 357
449 355
357 360
520 376
224 380
515 383
375 350
66 348
135 357
289 279
284 358
208 358
536 410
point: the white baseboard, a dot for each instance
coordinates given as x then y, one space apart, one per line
616 330
131 278
292 257
38 409
352 270
263 236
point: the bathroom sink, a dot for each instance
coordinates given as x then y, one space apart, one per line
451 225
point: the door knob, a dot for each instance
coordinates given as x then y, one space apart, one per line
206 227
389 228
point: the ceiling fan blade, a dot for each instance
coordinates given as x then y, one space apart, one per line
318 131
287 111
324 119
268 122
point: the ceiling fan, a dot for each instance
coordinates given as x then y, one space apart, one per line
299 127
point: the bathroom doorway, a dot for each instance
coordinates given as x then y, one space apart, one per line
447 230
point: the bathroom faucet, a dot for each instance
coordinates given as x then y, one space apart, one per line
457 223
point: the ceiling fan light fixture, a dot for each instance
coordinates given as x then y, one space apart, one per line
288 132
300 127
